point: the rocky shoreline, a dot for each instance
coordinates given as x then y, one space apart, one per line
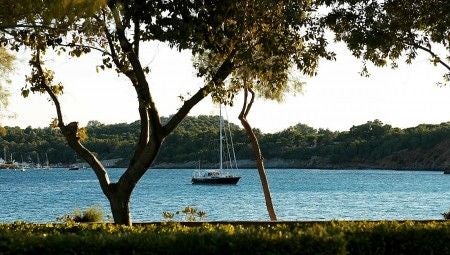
8 166
314 163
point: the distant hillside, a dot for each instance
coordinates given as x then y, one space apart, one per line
371 145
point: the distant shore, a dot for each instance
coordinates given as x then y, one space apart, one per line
293 164
269 164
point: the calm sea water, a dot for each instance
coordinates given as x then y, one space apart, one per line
44 195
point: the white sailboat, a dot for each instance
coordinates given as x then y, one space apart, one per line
47 164
217 176
38 162
23 166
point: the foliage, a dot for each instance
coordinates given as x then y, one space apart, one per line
189 213
382 32
193 140
273 38
91 214
6 67
251 238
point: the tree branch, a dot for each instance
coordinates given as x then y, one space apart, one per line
15 26
252 99
149 142
137 30
70 131
432 53
221 74
243 114
86 46
114 55
144 134
143 137
143 90
143 161
43 83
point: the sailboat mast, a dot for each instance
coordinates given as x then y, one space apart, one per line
220 128
47 164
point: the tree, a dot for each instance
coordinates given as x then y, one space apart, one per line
231 34
383 31
271 77
109 36
291 36
94 123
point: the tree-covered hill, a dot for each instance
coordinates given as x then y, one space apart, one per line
370 145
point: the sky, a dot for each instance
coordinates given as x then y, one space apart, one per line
337 98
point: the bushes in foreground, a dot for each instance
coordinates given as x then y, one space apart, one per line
174 238
89 215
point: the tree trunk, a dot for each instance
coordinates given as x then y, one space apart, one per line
258 154
119 201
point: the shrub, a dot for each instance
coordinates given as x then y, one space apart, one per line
323 238
446 215
189 213
91 214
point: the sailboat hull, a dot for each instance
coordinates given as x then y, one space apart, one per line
230 180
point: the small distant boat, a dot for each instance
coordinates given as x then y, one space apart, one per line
217 176
8 163
74 167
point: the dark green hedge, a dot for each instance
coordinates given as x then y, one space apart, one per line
286 238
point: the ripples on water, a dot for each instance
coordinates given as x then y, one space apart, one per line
44 195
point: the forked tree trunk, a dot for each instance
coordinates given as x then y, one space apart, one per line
258 154
119 201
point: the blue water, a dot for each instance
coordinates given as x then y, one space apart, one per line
44 195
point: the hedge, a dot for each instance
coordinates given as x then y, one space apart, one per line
212 238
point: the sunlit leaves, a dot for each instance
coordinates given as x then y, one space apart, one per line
6 67
40 80
2 131
82 134
54 123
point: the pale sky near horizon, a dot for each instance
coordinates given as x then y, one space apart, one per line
337 98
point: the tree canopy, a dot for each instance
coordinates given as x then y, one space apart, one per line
383 31
258 40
